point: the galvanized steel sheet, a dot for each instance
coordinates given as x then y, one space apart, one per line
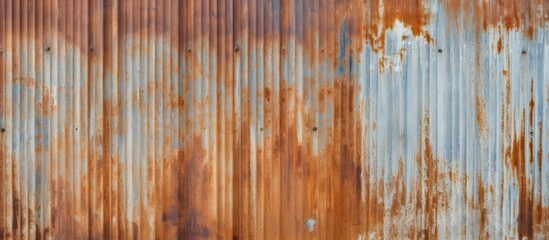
274 119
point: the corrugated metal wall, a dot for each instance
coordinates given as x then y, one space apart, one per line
244 119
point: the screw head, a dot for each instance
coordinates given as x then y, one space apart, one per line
440 50
48 48
3 130
188 49
310 224
314 129
237 48
523 52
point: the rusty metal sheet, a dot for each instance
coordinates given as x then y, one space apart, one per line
273 119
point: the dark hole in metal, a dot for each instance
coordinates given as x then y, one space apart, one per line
3 129
76 129
188 49
237 48
314 129
523 52
48 49
440 50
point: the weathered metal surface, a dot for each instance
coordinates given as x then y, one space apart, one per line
272 119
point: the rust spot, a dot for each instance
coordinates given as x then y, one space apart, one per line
398 186
481 207
267 93
499 44
480 109
16 208
507 87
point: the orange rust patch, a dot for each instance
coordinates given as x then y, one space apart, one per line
480 205
518 15
480 109
267 94
516 157
434 200
507 87
382 16
499 45
398 186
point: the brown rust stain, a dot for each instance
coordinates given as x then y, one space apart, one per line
481 205
517 15
383 16
516 154
397 184
481 118
187 208
435 199
499 43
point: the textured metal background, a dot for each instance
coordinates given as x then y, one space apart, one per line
237 119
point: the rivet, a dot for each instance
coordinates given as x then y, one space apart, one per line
322 49
440 50
261 129
3 129
310 224
523 52
76 129
314 129
188 49
237 48
48 48
283 49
